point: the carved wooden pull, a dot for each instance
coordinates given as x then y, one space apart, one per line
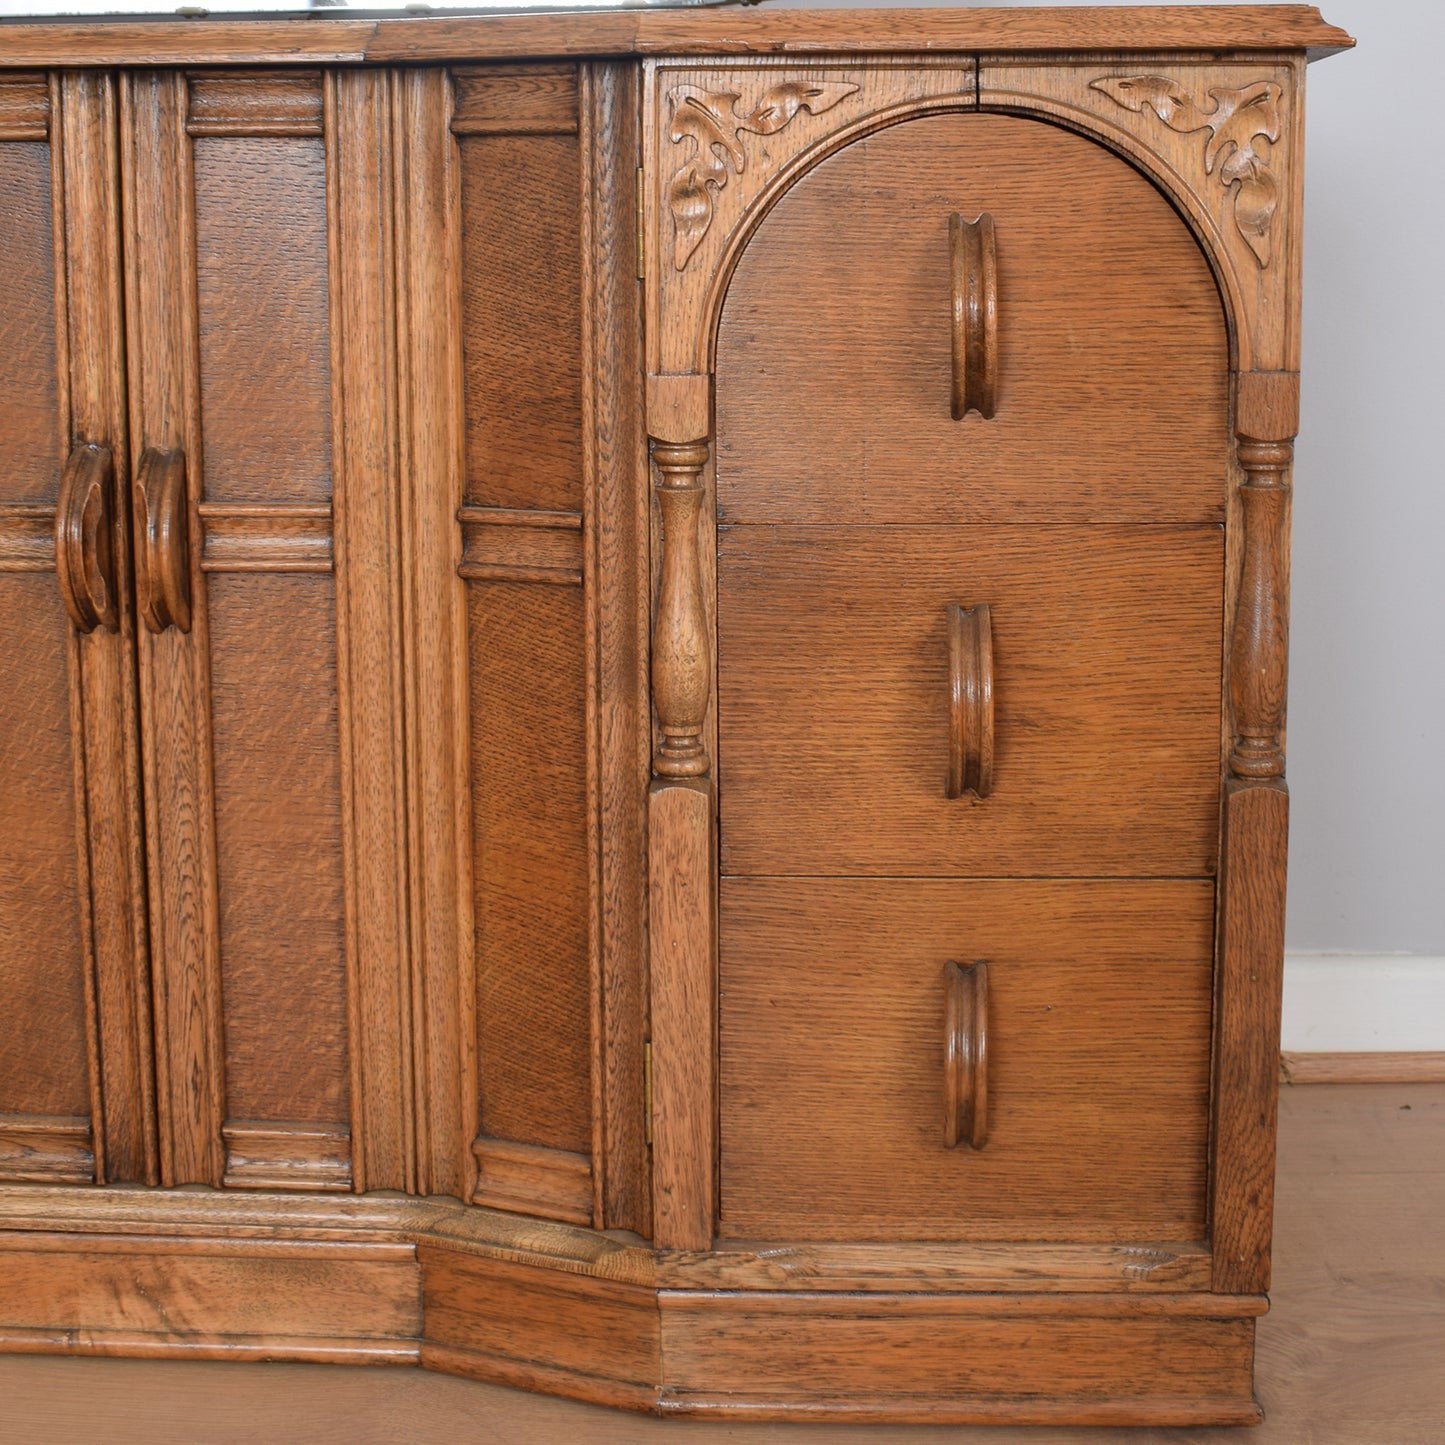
84 539
965 1061
163 565
975 316
681 665
970 713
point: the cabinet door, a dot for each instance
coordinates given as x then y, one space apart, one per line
74 1053
232 418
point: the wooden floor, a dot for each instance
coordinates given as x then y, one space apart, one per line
1353 1352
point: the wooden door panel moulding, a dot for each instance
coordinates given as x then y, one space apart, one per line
617 512
24 106
266 537
256 103
174 666
266 1155
40 1149
105 713
903 1268
552 1183
368 558
516 100
503 544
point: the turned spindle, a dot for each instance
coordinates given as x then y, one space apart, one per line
681 666
1259 652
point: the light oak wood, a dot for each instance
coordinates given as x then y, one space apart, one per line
163 371
104 694
220 42
440 918
974 265
682 872
708 728
831 1057
362 415
616 503
1109 351
1349 1350
834 751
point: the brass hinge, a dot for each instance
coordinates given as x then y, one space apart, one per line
647 1092
641 230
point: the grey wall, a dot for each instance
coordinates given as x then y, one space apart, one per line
1367 663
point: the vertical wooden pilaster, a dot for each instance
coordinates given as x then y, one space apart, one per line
366 505
1253 845
430 412
616 512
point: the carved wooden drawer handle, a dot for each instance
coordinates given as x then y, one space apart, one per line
965 1064
970 714
85 539
975 316
163 564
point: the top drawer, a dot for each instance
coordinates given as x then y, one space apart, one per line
834 356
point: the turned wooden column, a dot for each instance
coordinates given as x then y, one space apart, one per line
1258 662
681 657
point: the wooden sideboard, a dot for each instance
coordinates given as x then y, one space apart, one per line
643 701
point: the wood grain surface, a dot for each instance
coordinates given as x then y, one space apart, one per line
220 42
834 370
104 682
44 1066
832 1059
529 803
833 700
522 318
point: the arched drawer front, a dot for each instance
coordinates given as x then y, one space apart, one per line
834 364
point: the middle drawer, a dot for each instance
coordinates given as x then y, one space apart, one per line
834 691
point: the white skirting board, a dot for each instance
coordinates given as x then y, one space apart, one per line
1364 1003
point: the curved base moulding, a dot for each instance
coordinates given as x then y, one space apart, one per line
1029 1334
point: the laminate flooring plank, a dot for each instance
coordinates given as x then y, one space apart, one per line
1352 1353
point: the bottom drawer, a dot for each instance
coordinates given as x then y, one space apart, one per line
832 1047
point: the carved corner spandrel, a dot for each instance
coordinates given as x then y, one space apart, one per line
722 139
1223 140
1240 120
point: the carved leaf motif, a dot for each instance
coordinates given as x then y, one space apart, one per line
1237 119
714 125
